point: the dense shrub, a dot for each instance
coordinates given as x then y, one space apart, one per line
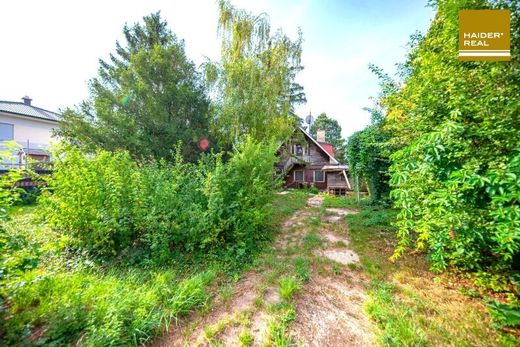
109 204
14 258
92 198
455 178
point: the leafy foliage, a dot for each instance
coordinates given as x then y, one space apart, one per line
368 159
455 180
109 204
504 315
15 253
254 84
146 99
91 198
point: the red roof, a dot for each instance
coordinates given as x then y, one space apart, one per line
328 147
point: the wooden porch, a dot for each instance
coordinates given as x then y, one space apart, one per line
336 184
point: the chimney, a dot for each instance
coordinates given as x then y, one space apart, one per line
27 100
320 135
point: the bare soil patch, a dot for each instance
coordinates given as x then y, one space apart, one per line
330 313
315 201
332 238
344 256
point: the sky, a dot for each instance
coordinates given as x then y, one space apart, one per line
50 49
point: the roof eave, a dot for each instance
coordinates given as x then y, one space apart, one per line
21 115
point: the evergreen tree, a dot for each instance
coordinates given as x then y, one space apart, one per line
148 97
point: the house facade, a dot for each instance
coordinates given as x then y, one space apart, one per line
30 127
308 162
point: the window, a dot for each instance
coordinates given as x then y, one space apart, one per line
319 176
298 175
298 150
6 131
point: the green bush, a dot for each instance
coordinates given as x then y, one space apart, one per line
455 176
109 204
15 254
92 275
92 198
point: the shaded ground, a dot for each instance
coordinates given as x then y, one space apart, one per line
308 290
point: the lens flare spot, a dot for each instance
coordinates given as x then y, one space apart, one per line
204 144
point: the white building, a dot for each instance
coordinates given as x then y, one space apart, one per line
30 127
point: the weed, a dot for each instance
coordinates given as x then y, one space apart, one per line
271 276
352 266
288 286
290 250
315 221
340 244
245 338
338 202
213 330
504 315
277 332
286 204
258 302
410 307
244 318
226 292
470 292
397 319
302 268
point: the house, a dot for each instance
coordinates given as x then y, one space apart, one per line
308 162
28 126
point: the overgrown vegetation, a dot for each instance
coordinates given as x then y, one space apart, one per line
368 160
109 205
140 216
448 129
92 272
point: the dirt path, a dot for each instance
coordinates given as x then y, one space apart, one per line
309 290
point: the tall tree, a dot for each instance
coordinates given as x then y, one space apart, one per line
145 100
332 134
254 84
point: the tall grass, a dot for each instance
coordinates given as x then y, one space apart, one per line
120 307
